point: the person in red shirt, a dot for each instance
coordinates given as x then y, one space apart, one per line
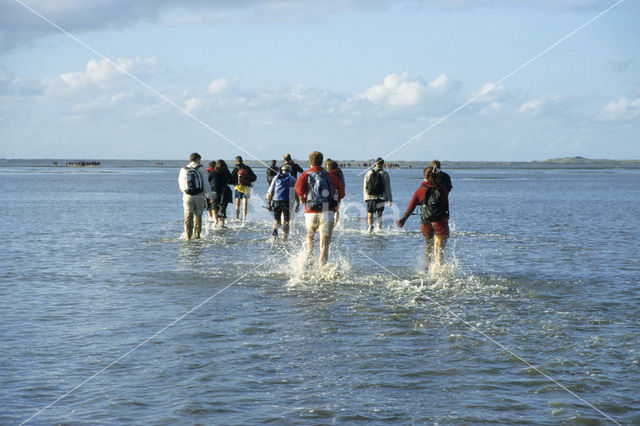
320 192
437 231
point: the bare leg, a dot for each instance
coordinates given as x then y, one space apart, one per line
310 235
238 208
244 208
428 249
324 248
379 223
215 214
438 248
370 221
285 230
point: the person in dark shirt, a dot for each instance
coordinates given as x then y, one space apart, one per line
444 178
332 167
242 177
295 168
272 171
219 179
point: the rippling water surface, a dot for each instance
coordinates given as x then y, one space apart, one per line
540 282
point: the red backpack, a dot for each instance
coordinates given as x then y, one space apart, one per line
244 177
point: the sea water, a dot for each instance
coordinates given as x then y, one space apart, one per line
108 316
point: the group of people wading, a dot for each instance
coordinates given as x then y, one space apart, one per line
319 189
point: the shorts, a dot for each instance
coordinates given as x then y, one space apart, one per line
281 208
240 195
321 221
375 206
440 228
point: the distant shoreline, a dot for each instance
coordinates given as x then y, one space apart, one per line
557 163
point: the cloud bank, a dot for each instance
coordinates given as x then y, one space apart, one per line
19 26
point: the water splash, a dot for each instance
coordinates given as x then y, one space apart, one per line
305 269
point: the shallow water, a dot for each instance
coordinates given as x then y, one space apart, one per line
543 263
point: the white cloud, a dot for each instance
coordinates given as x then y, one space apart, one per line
193 104
488 93
441 82
218 86
622 109
404 90
492 108
532 107
96 73
102 74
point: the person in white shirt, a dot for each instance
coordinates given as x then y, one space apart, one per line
376 190
195 188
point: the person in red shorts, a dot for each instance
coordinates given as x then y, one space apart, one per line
435 231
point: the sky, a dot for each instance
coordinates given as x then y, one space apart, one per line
458 80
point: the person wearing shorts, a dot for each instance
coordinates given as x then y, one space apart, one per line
280 199
242 192
375 196
435 233
322 220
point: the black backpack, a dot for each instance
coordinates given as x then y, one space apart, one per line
433 206
194 180
375 184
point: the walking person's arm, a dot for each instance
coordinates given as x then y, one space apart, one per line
205 183
365 194
387 189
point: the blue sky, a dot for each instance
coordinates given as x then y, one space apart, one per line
354 79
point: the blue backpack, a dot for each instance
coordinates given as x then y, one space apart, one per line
282 187
320 193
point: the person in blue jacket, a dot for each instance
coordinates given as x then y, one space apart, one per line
281 197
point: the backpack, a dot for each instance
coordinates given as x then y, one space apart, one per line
433 206
282 188
375 184
320 194
194 180
244 176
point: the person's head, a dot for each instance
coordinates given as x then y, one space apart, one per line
238 160
195 157
287 158
273 162
315 158
379 162
431 175
332 164
435 164
212 165
221 166
285 169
